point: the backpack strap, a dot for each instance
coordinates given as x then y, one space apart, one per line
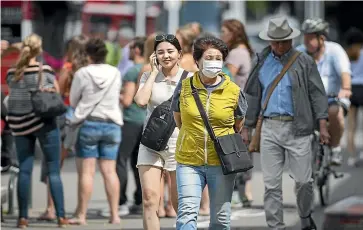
182 77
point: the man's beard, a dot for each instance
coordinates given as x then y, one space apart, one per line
320 46
315 52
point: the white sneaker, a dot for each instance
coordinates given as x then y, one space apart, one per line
236 201
122 211
351 161
105 212
337 157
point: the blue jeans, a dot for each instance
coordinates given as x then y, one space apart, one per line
191 181
98 139
50 144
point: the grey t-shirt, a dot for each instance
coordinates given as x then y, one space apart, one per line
162 90
239 113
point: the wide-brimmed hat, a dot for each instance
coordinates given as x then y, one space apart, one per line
279 30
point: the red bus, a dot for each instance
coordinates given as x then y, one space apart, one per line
120 15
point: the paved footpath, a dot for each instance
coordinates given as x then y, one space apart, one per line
246 219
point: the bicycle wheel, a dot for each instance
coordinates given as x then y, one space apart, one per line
324 191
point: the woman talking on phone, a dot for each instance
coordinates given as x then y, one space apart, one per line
156 87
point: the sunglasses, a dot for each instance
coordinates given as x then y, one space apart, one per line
165 37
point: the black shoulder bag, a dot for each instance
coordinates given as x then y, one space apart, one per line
46 104
160 125
231 150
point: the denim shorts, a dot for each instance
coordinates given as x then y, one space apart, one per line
98 139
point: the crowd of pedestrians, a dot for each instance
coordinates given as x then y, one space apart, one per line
283 92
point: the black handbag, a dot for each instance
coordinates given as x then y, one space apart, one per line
231 150
46 104
161 125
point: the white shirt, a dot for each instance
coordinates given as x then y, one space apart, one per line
162 91
91 84
332 64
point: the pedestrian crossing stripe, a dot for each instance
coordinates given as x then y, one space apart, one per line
203 222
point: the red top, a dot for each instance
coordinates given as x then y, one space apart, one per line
68 67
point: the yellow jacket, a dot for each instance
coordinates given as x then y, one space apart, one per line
194 145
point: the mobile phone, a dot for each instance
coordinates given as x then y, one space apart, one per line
156 61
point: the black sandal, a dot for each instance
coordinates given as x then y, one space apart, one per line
246 203
312 223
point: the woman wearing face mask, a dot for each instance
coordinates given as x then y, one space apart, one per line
198 164
156 87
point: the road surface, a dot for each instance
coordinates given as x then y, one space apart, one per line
246 219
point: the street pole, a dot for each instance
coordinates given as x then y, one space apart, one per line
140 18
26 22
314 9
173 8
239 10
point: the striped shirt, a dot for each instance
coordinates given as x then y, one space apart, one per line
21 117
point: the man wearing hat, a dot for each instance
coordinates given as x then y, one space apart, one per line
296 106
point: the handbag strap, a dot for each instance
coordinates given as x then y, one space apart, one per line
202 111
278 79
182 77
40 75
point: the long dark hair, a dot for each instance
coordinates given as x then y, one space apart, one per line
174 41
239 34
76 54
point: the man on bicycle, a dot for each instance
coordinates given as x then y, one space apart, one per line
334 68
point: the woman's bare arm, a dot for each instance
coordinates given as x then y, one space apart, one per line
143 94
128 94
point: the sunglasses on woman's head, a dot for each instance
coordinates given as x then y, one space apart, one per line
165 37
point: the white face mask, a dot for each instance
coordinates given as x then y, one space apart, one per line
212 68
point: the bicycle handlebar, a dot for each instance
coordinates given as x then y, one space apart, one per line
332 95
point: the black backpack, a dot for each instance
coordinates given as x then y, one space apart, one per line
160 125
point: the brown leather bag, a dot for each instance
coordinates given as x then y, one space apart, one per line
254 145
